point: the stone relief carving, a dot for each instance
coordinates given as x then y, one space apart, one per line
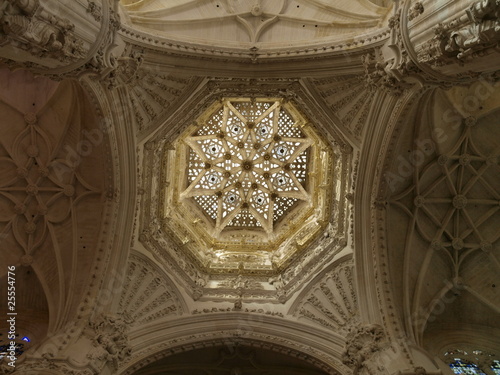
125 71
467 36
110 341
146 296
104 60
361 345
348 100
28 25
416 10
390 73
255 21
228 309
377 75
153 94
332 302
240 283
95 10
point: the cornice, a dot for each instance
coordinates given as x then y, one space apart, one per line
341 57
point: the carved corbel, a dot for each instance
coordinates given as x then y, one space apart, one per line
361 345
110 341
378 74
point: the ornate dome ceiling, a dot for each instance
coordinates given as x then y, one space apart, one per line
258 23
244 185
283 176
245 177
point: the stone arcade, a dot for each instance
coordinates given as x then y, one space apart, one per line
250 187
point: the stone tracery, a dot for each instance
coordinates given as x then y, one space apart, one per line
248 165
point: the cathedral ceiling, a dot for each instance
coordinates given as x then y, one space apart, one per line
434 220
442 213
52 196
255 24
160 234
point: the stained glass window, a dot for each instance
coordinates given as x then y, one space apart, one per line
4 350
495 366
460 366
247 164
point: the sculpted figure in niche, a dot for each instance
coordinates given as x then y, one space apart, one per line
473 38
26 25
483 33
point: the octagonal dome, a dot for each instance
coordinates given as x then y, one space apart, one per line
245 179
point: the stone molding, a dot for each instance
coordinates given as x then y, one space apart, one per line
234 328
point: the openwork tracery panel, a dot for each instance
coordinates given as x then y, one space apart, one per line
248 164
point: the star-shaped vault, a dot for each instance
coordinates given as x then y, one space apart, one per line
248 164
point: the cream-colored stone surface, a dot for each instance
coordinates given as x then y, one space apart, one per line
398 274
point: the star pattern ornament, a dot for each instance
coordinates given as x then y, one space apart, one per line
456 201
248 164
42 189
